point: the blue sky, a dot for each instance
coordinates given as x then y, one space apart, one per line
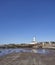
20 20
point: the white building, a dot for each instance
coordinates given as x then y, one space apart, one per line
33 41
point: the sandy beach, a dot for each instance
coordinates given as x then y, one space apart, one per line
26 58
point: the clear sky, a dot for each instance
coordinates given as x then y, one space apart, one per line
20 20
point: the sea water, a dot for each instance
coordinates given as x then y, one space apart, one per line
41 51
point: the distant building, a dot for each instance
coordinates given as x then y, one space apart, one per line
33 41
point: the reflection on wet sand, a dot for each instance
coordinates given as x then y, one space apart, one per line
34 51
8 51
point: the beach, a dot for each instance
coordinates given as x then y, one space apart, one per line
27 58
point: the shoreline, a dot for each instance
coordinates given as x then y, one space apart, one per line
27 58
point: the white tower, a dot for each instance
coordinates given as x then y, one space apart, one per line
34 39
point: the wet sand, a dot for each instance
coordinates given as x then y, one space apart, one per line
26 58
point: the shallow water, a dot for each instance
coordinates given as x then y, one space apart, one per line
41 51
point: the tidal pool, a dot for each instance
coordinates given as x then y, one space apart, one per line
41 51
